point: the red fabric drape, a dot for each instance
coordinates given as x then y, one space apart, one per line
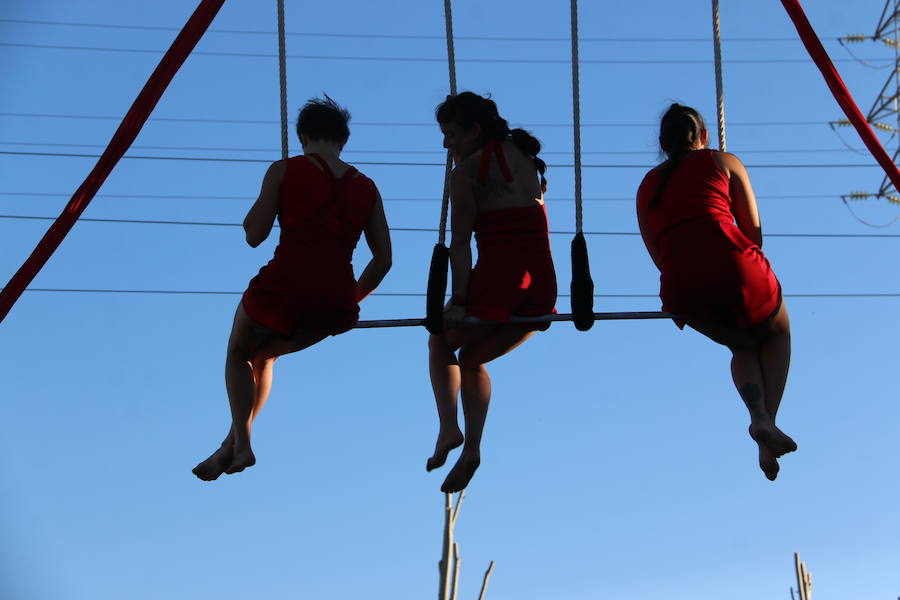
126 133
839 90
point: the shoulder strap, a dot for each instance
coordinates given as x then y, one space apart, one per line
321 162
493 148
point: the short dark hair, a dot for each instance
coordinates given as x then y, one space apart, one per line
324 119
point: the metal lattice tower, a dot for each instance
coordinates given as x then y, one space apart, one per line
884 116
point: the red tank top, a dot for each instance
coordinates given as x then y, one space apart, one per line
513 230
320 211
697 189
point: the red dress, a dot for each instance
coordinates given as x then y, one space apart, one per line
708 269
514 274
309 284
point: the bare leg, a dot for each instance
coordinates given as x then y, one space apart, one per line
445 381
241 387
775 359
476 397
246 340
261 367
751 383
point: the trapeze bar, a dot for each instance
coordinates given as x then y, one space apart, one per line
603 316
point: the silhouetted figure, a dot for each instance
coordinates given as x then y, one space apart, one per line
713 272
308 290
496 192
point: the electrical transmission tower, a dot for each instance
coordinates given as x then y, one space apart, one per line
884 116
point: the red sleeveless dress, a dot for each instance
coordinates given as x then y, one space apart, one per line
709 270
514 273
309 283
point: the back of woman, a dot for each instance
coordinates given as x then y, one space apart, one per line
496 192
321 213
697 189
698 218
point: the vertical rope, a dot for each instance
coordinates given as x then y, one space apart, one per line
451 63
582 287
576 116
440 257
282 80
720 92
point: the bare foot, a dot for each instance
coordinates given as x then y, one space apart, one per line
777 442
215 465
461 473
243 458
445 443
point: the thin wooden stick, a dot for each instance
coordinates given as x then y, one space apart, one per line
487 576
455 571
444 564
459 500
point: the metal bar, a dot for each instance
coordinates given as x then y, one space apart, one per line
603 316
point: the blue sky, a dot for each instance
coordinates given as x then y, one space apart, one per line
615 462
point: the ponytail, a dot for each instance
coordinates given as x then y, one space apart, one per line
530 146
679 129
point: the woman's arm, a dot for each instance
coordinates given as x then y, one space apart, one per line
463 212
743 201
645 231
261 216
378 238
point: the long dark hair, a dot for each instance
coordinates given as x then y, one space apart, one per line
467 108
679 130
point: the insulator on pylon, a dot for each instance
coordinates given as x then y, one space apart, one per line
858 195
883 126
840 123
854 38
892 198
889 42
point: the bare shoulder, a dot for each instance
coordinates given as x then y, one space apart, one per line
277 167
468 168
728 162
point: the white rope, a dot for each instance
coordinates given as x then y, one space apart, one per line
720 92
282 80
576 116
451 63
605 316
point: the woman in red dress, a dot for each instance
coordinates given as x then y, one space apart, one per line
496 191
307 291
699 220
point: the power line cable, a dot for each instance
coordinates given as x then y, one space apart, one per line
413 294
429 59
247 198
409 163
429 229
401 36
383 123
860 151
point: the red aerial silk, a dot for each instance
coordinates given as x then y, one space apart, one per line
839 90
128 130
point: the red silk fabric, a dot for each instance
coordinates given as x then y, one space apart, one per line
128 130
839 90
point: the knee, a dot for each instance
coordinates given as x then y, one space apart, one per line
436 343
470 361
238 351
445 342
748 346
262 363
